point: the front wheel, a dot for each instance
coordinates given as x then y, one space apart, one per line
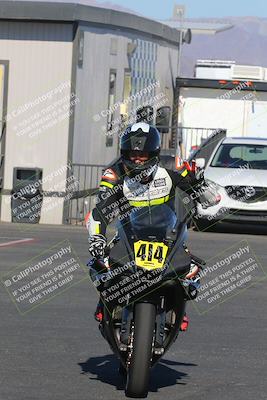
139 368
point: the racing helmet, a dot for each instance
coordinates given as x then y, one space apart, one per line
140 141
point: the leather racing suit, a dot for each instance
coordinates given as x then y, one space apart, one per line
119 194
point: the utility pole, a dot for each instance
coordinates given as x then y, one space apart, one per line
178 15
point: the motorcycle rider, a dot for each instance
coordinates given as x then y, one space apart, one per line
135 180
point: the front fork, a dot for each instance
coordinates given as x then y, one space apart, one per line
160 327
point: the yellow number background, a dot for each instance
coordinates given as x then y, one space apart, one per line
151 262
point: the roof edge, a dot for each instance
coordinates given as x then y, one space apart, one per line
70 12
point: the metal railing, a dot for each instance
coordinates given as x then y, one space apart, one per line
193 137
87 178
2 156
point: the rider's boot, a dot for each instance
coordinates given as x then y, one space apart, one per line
193 276
184 324
99 311
195 267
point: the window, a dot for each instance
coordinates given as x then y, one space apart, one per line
113 46
127 88
111 102
26 175
238 155
80 48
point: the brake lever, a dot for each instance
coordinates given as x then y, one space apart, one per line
97 263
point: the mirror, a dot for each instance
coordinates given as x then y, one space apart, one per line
163 118
187 36
200 163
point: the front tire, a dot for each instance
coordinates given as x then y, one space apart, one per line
139 368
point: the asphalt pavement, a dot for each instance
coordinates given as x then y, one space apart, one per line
55 351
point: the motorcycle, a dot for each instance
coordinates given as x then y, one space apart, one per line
143 289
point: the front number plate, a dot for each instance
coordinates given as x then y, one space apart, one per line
150 255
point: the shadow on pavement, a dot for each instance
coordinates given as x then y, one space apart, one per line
106 370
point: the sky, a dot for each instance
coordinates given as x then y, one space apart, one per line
162 9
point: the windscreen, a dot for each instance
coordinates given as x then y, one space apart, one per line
252 156
152 221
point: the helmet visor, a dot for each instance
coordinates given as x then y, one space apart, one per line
139 157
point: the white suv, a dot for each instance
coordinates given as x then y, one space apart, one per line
237 172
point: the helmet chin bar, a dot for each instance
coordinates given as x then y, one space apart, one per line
141 172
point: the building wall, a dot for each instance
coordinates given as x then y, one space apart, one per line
166 73
97 52
44 61
92 84
40 63
143 66
151 64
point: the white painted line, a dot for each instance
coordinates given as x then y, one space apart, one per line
10 237
13 242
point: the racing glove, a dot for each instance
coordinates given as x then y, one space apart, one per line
210 197
97 245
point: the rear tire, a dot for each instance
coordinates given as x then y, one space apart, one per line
139 368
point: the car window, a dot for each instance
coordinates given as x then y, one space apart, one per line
251 156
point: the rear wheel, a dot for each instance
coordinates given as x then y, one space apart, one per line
139 368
